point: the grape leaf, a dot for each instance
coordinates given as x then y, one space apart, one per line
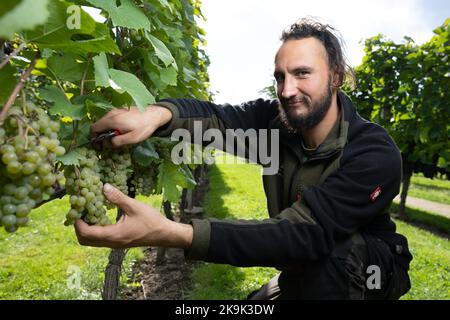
172 178
55 34
23 16
145 153
161 51
169 76
8 81
126 15
126 82
71 158
101 70
65 67
61 105
166 179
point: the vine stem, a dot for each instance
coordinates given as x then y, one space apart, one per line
13 54
84 76
17 89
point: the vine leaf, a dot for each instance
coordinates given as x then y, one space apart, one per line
101 70
25 15
61 105
145 153
55 34
71 158
8 81
65 67
122 81
126 15
161 50
172 178
169 76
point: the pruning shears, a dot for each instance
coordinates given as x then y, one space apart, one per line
108 135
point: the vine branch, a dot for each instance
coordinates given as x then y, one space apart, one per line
19 86
12 55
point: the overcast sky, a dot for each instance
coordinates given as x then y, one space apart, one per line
243 35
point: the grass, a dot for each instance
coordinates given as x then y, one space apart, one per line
430 268
44 259
236 191
437 190
420 216
228 197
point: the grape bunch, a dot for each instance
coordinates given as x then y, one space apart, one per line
163 147
85 188
29 146
115 168
143 180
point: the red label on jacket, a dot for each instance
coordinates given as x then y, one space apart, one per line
375 194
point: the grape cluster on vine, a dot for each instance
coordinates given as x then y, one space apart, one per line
85 188
29 146
116 168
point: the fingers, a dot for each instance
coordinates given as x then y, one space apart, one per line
95 236
131 137
117 197
107 122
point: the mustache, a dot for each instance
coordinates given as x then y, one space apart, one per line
294 100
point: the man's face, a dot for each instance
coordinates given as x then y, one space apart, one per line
304 83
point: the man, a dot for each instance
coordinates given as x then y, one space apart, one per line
329 230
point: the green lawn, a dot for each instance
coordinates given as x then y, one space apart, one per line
437 190
235 191
38 261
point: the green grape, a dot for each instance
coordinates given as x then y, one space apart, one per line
9 209
48 180
28 168
14 167
34 180
9 189
9 221
22 210
59 151
41 150
9 157
21 193
7 149
32 156
44 169
21 222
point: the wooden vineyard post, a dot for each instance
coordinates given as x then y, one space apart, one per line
113 270
114 267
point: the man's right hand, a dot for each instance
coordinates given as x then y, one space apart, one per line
134 125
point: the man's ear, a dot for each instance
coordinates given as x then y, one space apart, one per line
336 80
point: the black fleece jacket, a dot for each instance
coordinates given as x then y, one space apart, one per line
356 174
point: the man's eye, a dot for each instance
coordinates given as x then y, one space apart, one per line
302 73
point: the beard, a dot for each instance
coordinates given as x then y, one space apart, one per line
315 111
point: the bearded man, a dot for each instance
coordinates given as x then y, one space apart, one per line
329 231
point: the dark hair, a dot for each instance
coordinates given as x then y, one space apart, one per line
328 36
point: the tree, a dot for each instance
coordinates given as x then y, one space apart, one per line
404 88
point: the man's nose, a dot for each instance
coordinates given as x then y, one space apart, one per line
289 88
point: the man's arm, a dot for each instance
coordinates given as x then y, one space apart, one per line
310 228
167 115
134 125
254 114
